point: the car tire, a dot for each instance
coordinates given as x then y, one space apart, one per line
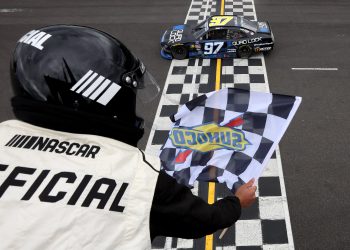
245 51
179 52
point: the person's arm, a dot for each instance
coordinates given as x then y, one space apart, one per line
177 212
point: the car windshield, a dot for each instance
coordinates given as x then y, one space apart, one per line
249 25
200 29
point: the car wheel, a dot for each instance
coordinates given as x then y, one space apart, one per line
245 51
179 52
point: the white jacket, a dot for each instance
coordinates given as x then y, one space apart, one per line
71 191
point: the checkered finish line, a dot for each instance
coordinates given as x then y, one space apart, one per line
266 224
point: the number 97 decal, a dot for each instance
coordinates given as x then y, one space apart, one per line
212 47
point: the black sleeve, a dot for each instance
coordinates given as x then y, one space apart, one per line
176 212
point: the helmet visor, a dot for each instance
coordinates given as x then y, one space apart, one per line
149 89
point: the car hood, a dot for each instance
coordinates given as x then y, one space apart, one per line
177 34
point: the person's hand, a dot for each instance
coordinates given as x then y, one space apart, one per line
246 194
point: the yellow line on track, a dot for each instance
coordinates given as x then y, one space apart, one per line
209 239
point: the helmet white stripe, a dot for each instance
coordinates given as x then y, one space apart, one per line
103 86
109 94
87 83
93 86
81 80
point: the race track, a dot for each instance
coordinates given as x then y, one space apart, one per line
303 203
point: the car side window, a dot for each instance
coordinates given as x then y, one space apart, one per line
234 34
218 34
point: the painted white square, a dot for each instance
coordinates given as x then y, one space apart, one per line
271 208
271 168
184 243
194 70
204 78
260 87
180 62
277 247
227 70
248 233
240 62
241 78
256 70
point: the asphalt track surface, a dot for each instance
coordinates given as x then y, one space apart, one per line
309 34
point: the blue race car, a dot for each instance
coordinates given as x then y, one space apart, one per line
217 37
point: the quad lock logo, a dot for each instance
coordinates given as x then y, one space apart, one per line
209 137
253 40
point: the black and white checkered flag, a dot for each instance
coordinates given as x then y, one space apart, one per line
226 136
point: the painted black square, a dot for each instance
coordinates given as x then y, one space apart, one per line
205 88
188 78
174 242
269 186
168 110
207 70
252 212
274 232
238 13
254 62
281 105
160 137
248 248
229 238
174 88
227 78
242 86
257 78
238 163
237 100
198 79
184 98
226 62
251 18
191 62
254 122
263 149
240 70
179 70
159 242
200 62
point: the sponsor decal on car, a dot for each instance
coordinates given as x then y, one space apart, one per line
220 20
176 35
263 49
262 44
253 40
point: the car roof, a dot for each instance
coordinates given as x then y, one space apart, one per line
230 21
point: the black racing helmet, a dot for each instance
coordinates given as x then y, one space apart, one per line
79 79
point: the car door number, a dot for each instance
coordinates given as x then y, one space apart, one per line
212 47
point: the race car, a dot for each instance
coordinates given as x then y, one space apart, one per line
217 37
